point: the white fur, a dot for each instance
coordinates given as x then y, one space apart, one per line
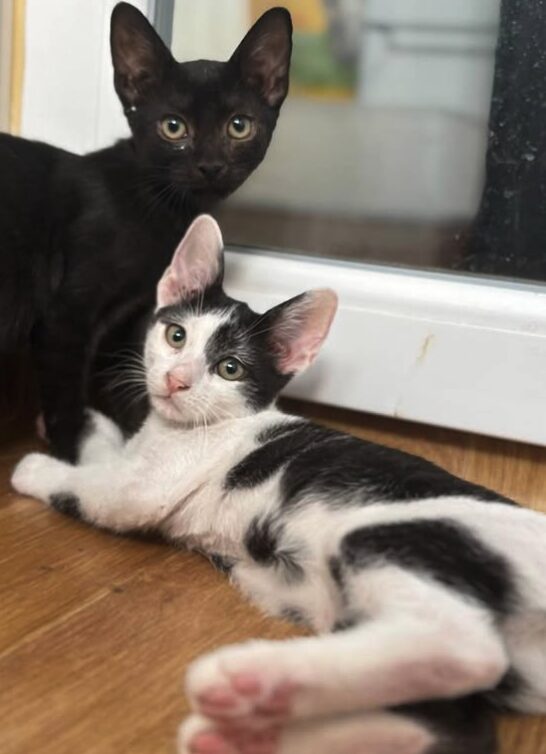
210 397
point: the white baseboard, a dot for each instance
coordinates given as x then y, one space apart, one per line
450 350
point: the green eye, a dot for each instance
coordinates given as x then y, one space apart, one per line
175 335
240 127
231 369
172 128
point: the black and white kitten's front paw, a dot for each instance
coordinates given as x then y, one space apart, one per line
41 476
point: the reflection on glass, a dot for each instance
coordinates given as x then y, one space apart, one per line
381 147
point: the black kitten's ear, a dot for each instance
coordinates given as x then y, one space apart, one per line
197 263
263 57
299 327
139 56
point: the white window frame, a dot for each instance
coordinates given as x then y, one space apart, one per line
451 350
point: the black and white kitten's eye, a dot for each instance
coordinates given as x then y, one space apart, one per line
240 127
175 335
231 369
173 128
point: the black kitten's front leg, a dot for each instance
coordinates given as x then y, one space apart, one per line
62 349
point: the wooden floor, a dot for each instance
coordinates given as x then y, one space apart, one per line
96 631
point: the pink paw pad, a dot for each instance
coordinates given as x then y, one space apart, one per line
246 684
253 742
246 703
278 701
210 743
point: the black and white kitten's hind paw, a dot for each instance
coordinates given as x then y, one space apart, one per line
363 733
102 439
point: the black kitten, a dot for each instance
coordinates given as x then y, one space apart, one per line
85 238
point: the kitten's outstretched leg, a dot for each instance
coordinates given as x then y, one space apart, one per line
463 726
420 640
373 733
122 494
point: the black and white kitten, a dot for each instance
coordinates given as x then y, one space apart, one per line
429 590
84 239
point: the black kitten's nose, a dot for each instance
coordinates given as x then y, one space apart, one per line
210 170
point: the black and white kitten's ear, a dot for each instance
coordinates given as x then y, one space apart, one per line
263 57
197 264
139 56
299 327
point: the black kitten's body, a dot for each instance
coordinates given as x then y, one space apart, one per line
83 247
85 238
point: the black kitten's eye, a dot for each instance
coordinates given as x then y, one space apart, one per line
240 127
175 335
172 128
231 369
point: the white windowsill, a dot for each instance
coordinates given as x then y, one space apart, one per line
450 350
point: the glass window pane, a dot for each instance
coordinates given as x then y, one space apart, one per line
411 135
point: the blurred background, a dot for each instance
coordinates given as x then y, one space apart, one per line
380 150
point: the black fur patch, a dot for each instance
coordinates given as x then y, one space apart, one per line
65 502
336 571
442 549
294 615
245 336
460 726
502 696
263 541
262 463
322 462
344 625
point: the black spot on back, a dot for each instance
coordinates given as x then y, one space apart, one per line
343 467
442 549
338 468
280 442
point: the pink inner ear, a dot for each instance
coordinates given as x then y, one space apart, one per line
301 330
168 291
298 355
196 263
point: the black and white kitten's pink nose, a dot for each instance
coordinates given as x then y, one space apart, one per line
177 381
